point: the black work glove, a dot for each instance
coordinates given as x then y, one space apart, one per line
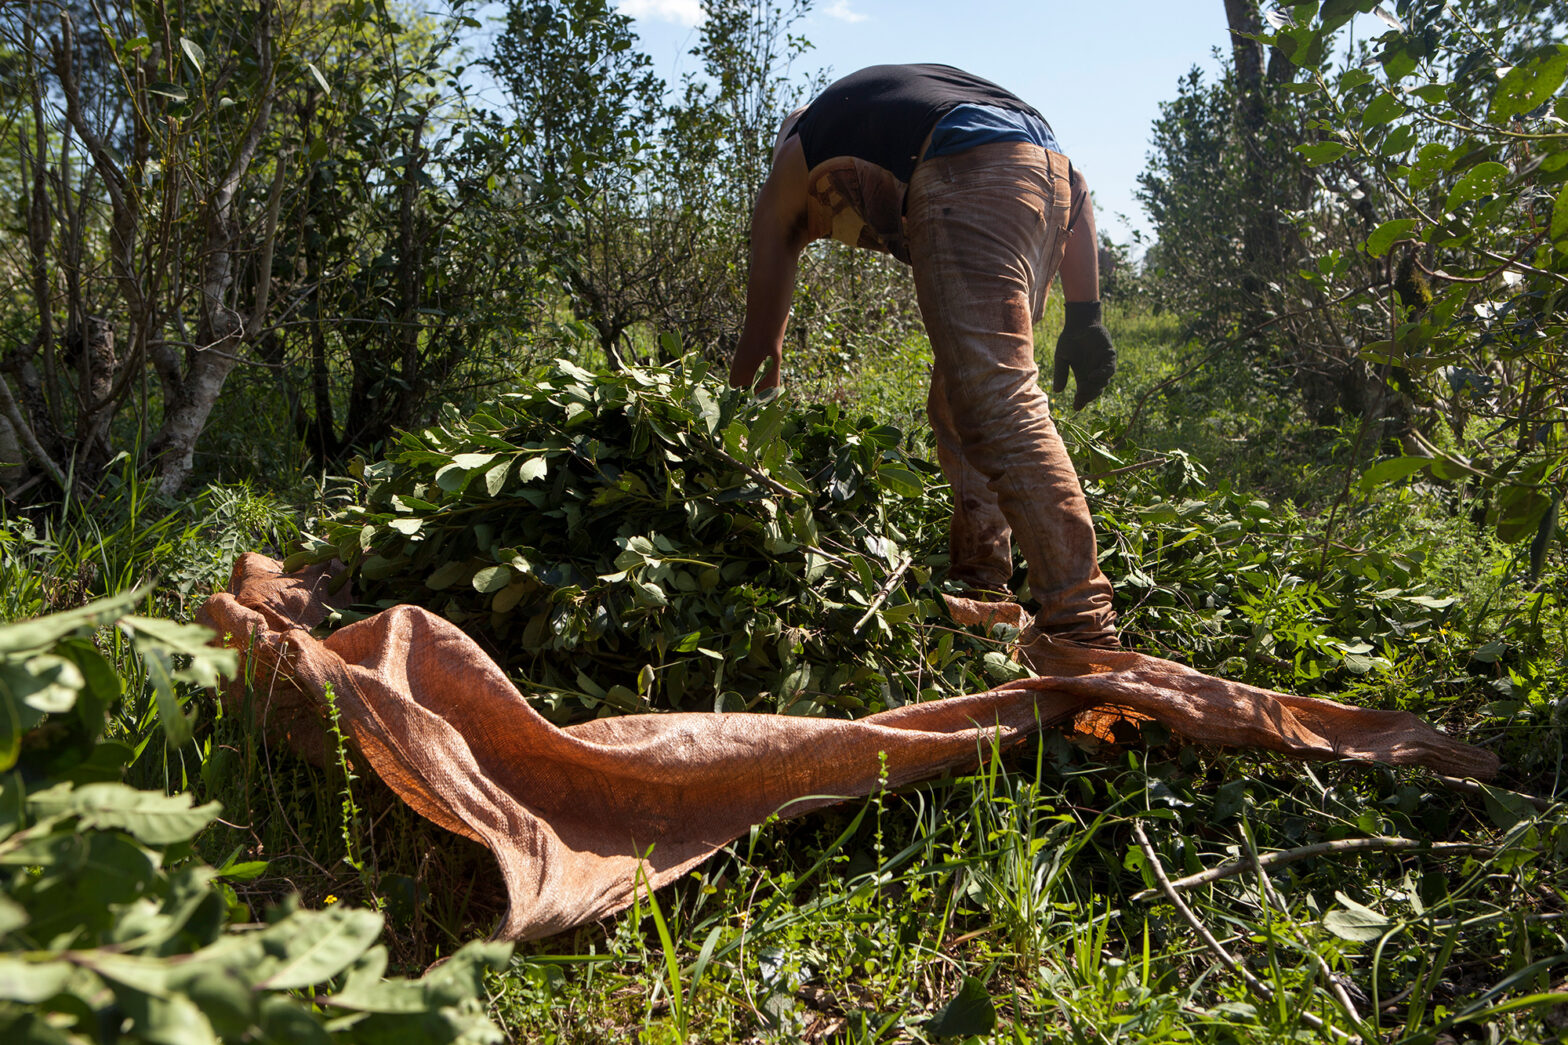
1085 347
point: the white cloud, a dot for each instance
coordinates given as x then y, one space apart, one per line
681 12
840 9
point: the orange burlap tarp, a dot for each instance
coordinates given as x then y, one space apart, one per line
580 818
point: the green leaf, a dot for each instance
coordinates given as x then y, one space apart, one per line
37 635
495 478
968 1013
207 664
192 52
471 461
321 81
312 946
407 526
447 575
1480 180
1320 153
1526 86
46 684
1385 108
1336 13
1398 61
1523 501
1559 227
176 726
32 982
452 478
492 579
1355 922
1543 539
164 89
151 817
531 469
901 481
1385 235
1391 470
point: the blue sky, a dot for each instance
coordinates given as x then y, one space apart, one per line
1096 69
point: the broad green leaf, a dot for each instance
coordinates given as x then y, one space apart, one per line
1385 235
1526 86
495 478
312 946
407 526
1506 808
1320 153
1384 108
1543 538
901 481
1397 60
1520 510
1480 180
452 478
193 52
12 723
767 425
1391 470
447 575
1352 921
40 633
968 1013
508 597
531 469
101 683
32 982
1559 226
164 89
151 817
13 916
1335 13
470 461
492 579
176 726
45 683
367 994
207 664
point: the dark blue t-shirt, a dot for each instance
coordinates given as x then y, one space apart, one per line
883 113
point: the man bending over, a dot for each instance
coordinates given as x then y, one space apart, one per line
965 183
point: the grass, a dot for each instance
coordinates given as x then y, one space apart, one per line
1014 903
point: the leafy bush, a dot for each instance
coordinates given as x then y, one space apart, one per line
1445 140
110 929
651 539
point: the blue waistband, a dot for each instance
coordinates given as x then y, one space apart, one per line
966 126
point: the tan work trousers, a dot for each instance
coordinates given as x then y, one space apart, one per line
987 229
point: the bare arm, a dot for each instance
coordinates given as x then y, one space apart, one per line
778 235
1081 264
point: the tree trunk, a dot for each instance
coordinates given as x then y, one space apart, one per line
1260 231
221 329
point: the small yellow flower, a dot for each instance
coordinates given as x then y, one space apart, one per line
331 898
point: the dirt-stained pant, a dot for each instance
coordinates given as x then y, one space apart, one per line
987 230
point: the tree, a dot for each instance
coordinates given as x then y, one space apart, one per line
1453 294
195 196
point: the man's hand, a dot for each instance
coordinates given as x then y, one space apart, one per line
1084 347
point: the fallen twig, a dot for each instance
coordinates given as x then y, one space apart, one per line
1254 984
1472 787
1329 979
881 596
1376 843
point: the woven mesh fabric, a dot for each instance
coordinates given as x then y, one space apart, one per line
581 818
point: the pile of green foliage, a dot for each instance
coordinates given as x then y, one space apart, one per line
649 538
112 929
